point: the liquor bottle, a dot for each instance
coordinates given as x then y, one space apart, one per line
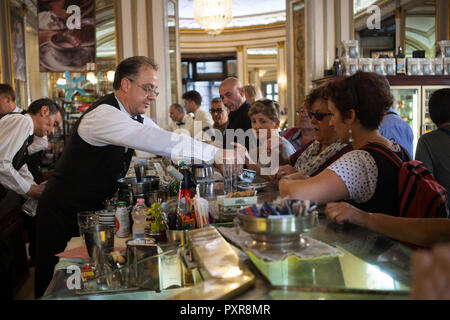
337 65
400 61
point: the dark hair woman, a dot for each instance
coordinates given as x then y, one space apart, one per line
365 177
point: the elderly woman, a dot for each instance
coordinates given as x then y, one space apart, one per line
365 177
318 154
265 119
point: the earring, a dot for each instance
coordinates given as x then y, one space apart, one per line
350 138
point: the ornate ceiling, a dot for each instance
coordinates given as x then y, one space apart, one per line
245 13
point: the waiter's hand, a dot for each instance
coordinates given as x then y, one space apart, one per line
35 191
235 157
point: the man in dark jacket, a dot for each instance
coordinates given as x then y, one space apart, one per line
233 96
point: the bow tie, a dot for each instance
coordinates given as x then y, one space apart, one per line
139 119
180 123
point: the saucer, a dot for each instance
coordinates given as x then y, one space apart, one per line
52 62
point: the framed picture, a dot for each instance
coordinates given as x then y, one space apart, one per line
67 35
374 54
18 44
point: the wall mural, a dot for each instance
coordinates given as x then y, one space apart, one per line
18 46
299 55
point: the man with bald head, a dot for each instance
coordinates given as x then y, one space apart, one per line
233 96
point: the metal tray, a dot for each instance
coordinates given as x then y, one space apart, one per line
276 230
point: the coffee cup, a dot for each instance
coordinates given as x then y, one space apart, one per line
65 42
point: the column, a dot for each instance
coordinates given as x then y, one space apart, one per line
319 40
6 59
158 49
330 41
125 29
241 57
398 29
344 20
281 74
141 27
442 20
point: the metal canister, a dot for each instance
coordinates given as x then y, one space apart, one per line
122 220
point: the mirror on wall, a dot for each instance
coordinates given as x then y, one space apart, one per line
420 28
408 23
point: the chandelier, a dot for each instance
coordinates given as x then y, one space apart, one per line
213 15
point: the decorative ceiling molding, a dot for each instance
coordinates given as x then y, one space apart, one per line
242 21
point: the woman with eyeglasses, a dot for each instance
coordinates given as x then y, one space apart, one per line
317 155
364 177
265 120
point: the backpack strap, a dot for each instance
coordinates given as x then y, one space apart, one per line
384 151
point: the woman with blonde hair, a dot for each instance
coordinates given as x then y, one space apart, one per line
265 119
252 93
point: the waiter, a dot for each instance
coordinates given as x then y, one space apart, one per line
16 135
98 153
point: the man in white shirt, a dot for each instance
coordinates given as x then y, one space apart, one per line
98 153
16 135
7 99
192 102
8 105
181 123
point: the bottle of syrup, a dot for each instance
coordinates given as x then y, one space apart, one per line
400 60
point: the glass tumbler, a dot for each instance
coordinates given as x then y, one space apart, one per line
86 219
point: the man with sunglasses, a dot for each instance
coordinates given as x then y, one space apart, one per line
99 152
219 115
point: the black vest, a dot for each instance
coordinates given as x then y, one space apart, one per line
19 158
386 199
87 175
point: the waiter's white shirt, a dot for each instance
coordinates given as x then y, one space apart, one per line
106 125
204 117
14 130
185 128
39 143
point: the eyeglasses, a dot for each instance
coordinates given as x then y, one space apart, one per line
147 90
319 115
302 112
220 110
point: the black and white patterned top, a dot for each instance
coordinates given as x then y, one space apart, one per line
359 172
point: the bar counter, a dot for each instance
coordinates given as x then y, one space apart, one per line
371 266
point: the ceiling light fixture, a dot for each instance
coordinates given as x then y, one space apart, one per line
213 15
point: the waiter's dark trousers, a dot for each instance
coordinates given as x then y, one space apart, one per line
6 270
54 228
